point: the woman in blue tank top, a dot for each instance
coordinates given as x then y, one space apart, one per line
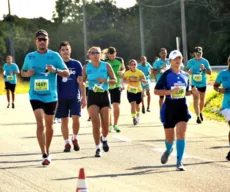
99 75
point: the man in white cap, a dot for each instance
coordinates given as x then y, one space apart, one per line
174 84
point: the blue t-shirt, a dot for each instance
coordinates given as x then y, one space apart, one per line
43 85
145 69
93 73
68 88
159 64
224 78
8 77
199 78
169 80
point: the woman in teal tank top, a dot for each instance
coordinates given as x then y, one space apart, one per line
99 75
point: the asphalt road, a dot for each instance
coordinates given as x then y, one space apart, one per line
133 163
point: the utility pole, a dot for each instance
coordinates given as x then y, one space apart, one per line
85 30
184 34
141 29
11 33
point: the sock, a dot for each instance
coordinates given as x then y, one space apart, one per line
138 113
74 137
180 146
67 141
103 138
133 115
97 146
169 146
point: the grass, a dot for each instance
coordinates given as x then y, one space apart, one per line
22 86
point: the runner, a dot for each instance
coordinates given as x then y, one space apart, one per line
174 84
118 67
198 67
159 67
43 66
87 90
223 78
71 97
134 77
97 73
146 68
10 72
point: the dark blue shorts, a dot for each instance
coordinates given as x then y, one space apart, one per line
68 107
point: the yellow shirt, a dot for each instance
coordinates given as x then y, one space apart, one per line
135 86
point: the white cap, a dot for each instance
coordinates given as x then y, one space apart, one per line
174 54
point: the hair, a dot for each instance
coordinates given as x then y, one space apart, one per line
104 53
143 57
94 47
111 50
199 47
163 49
132 60
9 56
64 44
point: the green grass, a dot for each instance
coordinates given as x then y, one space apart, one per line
22 86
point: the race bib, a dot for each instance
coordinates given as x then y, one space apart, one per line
41 85
197 77
180 94
132 89
10 77
98 89
112 86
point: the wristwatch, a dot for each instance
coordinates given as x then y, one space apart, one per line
56 71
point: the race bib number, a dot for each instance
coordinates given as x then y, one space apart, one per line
41 85
180 94
197 77
10 77
112 86
98 89
132 89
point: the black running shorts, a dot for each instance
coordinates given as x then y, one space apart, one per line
99 99
115 95
48 108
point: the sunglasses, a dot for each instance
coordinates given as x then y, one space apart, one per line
94 53
41 39
133 64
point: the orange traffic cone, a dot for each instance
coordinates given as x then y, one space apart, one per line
81 183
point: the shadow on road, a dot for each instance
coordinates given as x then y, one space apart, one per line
18 123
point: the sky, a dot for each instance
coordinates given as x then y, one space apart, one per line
31 8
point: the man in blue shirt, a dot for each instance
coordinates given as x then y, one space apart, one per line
159 67
10 72
146 68
223 78
71 97
174 84
198 68
43 66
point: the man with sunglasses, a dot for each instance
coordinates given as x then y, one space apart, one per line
223 78
118 66
43 66
198 68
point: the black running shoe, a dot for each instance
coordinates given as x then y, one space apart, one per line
228 156
89 119
98 153
201 117
148 110
198 120
13 106
75 145
105 145
67 147
135 121
143 109
8 105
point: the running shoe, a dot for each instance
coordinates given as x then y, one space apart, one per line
198 121
8 105
110 128
180 166
75 145
117 129
201 117
13 106
165 156
46 159
228 156
148 110
134 121
105 145
98 153
143 109
67 147
89 119
138 119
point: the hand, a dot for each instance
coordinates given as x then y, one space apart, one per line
190 72
120 73
222 90
195 91
30 73
83 102
101 80
51 68
202 67
144 81
175 90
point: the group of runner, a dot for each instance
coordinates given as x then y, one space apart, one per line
58 88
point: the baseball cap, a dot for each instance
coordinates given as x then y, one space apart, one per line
174 54
198 50
41 32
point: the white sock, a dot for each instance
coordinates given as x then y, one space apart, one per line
74 137
97 146
67 141
103 138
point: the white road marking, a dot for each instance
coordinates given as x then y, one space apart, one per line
121 138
